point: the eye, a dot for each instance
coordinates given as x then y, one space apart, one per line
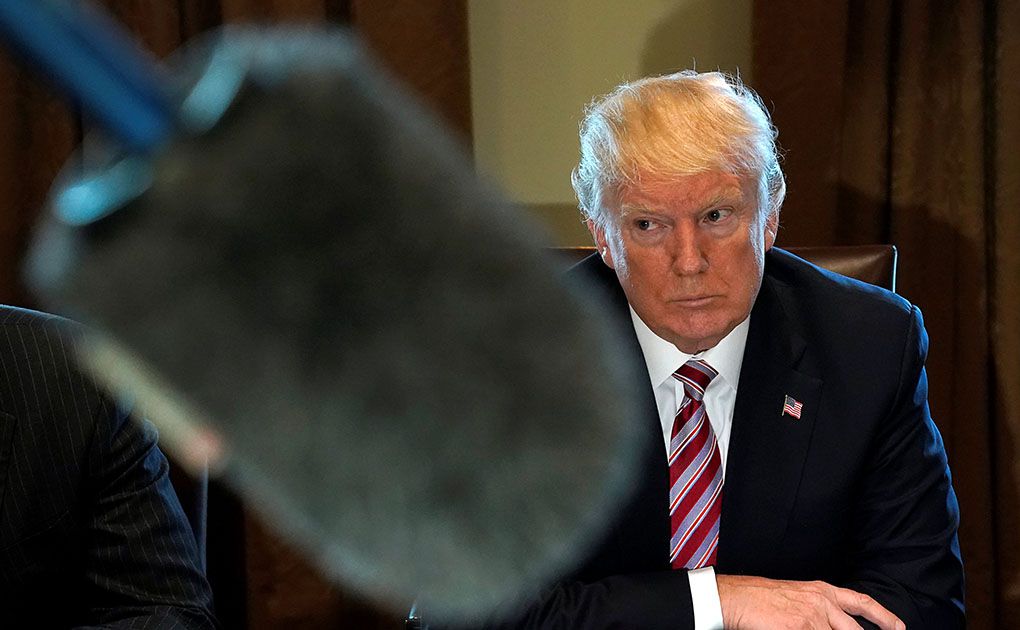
644 224
717 214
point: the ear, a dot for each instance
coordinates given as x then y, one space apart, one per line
598 234
771 227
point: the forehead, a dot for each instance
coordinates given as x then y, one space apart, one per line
686 193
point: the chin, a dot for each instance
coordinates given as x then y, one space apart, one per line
687 339
702 337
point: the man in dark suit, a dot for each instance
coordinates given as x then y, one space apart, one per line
792 476
91 533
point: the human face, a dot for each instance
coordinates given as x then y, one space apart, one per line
689 253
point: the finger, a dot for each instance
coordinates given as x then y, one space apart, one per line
839 620
863 605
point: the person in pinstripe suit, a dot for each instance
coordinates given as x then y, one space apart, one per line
91 532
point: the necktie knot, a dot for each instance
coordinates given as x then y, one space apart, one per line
695 375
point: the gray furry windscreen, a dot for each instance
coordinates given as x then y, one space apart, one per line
404 382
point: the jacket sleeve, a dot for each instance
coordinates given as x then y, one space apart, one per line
651 601
907 553
142 562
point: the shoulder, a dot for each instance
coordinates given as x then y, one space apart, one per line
33 341
845 321
595 279
591 268
40 381
818 294
25 333
19 316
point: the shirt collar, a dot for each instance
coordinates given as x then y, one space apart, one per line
663 358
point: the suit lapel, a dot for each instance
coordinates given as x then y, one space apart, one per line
767 448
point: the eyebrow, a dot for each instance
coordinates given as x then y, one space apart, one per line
731 196
629 210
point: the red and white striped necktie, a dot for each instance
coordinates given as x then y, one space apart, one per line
695 474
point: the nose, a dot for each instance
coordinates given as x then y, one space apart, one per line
689 255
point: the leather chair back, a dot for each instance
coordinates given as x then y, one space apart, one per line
874 264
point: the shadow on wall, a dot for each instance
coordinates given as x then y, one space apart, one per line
701 35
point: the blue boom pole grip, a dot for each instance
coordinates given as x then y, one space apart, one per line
93 62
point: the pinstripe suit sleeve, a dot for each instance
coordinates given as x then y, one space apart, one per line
91 532
142 561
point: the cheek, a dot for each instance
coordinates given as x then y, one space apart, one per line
739 270
746 289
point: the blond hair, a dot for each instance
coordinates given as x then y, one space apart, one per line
672 126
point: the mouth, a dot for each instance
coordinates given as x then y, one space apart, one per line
695 302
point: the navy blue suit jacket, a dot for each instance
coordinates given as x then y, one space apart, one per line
856 492
91 533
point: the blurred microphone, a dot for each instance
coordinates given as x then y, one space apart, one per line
307 285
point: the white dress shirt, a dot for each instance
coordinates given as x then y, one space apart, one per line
662 359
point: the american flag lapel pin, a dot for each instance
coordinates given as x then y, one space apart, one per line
792 407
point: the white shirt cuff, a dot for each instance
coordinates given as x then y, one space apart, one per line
705 595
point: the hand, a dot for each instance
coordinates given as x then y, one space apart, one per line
749 603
